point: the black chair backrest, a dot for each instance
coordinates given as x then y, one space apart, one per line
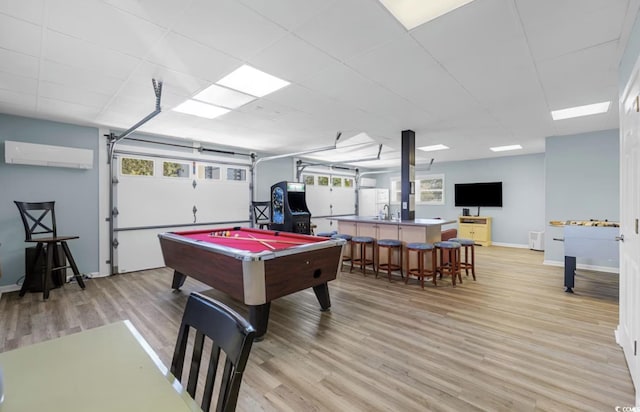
38 218
261 212
230 333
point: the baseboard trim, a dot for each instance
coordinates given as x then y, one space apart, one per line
13 288
514 245
607 269
8 288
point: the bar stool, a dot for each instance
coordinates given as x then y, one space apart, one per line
450 250
347 246
420 272
326 234
39 219
390 245
467 264
360 244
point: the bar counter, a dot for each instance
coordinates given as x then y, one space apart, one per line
377 220
407 231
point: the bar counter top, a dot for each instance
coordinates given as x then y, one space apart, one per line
377 220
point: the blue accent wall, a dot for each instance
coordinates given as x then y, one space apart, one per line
582 182
75 192
522 180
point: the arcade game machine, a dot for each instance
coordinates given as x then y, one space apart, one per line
289 212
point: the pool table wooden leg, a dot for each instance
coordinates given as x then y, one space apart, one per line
178 280
259 318
322 293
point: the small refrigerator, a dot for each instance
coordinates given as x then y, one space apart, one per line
372 201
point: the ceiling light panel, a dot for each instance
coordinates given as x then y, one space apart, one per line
221 96
579 111
505 148
200 109
252 81
433 148
413 13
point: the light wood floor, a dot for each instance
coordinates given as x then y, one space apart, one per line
512 341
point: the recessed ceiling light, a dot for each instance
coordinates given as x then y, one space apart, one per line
412 13
433 148
578 111
200 109
252 81
506 148
221 96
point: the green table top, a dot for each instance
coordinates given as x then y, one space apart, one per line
110 368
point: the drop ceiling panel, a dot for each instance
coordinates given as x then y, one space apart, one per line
103 24
292 59
161 12
13 102
185 55
29 10
228 26
133 108
18 84
18 63
266 109
67 110
308 101
288 13
583 77
62 48
71 95
140 86
118 120
478 32
20 36
408 70
486 52
350 27
78 78
344 84
547 25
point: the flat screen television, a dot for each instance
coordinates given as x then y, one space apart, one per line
478 194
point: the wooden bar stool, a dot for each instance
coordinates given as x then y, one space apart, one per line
390 245
468 263
39 221
450 250
359 244
420 272
347 247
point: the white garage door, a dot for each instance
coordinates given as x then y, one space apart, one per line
159 194
329 195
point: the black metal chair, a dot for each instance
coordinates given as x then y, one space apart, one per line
39 219
230 333
261 214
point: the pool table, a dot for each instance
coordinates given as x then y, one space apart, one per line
254 266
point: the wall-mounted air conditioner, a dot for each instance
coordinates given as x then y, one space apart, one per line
46 155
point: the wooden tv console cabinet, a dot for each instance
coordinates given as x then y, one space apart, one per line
477 228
